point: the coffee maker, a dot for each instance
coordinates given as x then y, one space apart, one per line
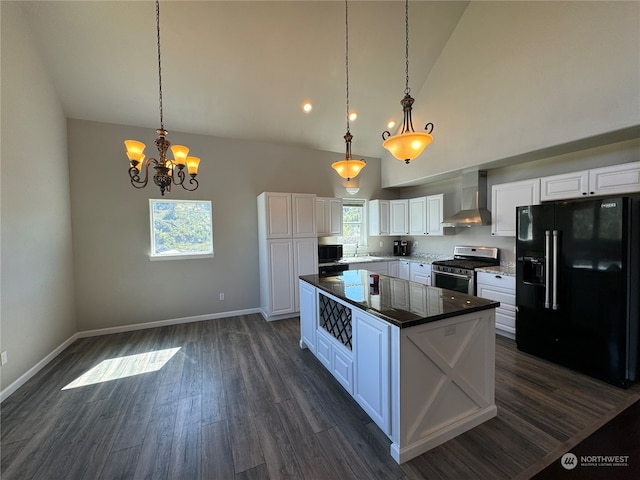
400 248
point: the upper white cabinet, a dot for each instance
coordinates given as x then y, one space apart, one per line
426 215
329 216
379 217
504 200
399 217
274 215
612 180
304 214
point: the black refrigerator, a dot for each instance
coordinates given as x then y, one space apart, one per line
577 289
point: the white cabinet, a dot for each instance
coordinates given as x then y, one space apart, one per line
303 207
426 214
504 200
379 217
393 269
371 354
287 248
308 317
420 273
329 216
403 269
612 180
418 216
399 217
501 288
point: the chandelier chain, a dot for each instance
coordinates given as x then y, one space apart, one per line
346 16
159 64
407 90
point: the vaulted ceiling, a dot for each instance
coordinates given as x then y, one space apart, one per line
242 69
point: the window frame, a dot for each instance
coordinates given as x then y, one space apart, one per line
363 240
178 256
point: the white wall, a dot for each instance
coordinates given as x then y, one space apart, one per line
37 309
117 284
518 78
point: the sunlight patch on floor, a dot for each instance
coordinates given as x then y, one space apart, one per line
123 367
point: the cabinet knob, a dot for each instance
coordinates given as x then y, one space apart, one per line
584 193
498 276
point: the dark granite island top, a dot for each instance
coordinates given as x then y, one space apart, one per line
400 302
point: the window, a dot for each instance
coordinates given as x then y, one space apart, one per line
354 232
181 229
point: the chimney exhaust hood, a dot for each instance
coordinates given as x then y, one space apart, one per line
474 211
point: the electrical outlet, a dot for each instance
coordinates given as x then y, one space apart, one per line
3 357
415 245
381 244
221 296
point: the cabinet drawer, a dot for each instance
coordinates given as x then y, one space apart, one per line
506 298
497 280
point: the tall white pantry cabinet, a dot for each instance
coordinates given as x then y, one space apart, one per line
287 248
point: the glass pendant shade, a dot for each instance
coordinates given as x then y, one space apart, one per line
134 150
408 145
348 168
192 165
180 153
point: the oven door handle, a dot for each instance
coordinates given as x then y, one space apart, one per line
451 274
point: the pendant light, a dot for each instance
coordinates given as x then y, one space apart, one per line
408 144
167 171
348 168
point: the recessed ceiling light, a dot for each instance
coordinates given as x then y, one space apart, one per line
353 116
307 107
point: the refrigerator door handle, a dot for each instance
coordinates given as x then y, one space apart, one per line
547 259
555 270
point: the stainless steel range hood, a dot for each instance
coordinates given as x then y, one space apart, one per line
474 211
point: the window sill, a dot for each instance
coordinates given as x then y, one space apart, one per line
191 256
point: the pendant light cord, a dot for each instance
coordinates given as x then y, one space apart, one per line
346 42
407 90
159 64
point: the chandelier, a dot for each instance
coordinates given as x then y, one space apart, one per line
348 168
167 172
408 144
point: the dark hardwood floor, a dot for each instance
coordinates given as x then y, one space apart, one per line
241 400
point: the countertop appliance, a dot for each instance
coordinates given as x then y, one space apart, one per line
459 274
577 286
329 253
401 248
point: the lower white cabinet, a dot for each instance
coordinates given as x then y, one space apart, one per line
403 269
371 353
501 288
377 267
420 273
393 269
308 306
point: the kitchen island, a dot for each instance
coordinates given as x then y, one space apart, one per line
419 360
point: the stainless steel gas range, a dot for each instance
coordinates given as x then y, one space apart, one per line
459 274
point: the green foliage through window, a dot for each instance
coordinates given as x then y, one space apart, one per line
181 227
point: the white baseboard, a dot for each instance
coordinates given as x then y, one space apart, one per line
4 394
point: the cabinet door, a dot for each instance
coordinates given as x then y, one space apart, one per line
281 278
372 363
308 315
399 217
615 179
504 200
304 215
305 262
335 217
403 270
418 216
435 214
322 217
566 185
278 215
379 217
393 268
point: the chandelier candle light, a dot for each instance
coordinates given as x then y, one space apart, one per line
167 171
408 144
348 168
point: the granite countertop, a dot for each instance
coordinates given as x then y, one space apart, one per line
397 301
421 258
506 270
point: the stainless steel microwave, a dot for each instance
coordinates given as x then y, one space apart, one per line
329 253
